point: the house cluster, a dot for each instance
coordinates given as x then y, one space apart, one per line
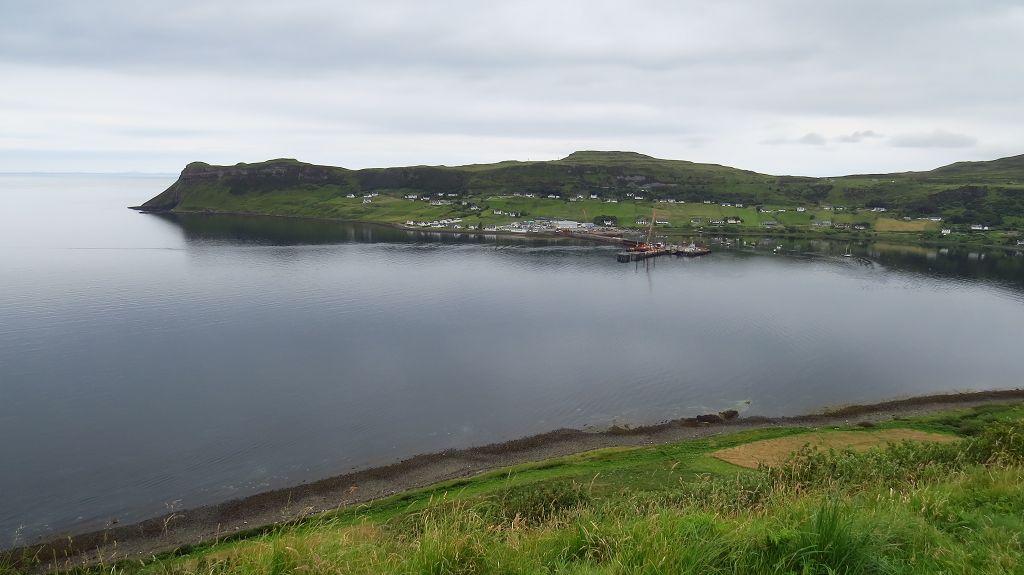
453 223
731 220
367 198
428 197
507 213
542 225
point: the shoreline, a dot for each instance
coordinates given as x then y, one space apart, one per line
397 226
260 512
896 237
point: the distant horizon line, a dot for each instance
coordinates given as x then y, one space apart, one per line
80 173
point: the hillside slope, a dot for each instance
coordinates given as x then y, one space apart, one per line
989 193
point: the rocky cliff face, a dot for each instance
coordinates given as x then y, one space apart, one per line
245 178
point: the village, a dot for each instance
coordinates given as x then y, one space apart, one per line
595 213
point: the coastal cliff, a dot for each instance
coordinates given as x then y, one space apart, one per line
986 193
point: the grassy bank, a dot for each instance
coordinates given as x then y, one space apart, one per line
915 507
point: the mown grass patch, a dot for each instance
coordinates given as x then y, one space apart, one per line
891 225
774 452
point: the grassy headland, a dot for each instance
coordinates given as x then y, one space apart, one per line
955 506
624 187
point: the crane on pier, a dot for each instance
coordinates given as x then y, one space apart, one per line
647 245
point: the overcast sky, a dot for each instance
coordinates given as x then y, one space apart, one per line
812 87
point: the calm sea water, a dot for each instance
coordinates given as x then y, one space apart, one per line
150 363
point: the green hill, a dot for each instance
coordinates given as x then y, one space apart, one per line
990 193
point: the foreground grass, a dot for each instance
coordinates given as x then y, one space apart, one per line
909 508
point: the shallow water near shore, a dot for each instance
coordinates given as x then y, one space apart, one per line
151 363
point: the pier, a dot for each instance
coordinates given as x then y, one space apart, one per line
642 255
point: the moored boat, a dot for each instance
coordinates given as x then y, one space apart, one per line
691 251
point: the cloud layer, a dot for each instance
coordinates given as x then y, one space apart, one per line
110 84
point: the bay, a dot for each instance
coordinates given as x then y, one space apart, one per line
151 363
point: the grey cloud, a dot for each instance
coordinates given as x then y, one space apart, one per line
808 139
936 139
857 136
267 78
310 36
652 50
812 139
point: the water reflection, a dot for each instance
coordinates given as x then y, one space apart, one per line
993 265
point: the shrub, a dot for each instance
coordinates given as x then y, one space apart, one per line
536 503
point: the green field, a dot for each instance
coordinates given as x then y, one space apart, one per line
954 507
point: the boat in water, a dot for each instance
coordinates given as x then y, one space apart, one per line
691 251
